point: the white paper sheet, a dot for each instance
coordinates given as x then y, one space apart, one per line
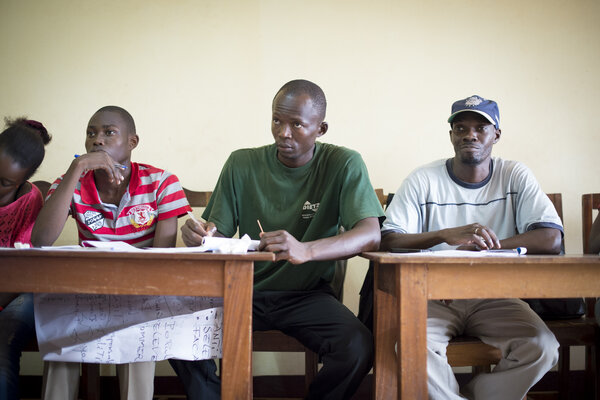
464 253
116 245
213 244
122 329
230 245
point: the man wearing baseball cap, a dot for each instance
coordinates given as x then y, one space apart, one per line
474 201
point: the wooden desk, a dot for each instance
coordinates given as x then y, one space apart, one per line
404 283
219 275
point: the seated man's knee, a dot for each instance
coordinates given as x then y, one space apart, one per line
541 348
548 346
359 345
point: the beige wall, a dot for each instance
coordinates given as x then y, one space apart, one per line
198 77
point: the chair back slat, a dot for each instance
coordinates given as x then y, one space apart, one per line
556 199
380 196
197 199
43 186
589 202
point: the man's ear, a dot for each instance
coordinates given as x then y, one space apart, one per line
323 128
498 134
133 141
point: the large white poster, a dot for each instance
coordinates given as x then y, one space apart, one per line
115 329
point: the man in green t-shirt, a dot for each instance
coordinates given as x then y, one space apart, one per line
302 192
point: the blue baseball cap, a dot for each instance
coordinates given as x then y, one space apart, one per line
479 105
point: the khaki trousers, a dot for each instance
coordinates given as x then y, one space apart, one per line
61 380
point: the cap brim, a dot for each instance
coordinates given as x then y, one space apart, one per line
486 115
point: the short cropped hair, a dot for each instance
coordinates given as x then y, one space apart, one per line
302 86
124 114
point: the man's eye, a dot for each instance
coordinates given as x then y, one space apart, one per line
90 134
110 132
297 125
275 121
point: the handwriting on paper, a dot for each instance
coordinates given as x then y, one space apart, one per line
116 329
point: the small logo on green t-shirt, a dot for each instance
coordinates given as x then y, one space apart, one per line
309 210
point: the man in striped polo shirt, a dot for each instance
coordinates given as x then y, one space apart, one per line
112 199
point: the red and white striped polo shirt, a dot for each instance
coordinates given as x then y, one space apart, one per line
153 195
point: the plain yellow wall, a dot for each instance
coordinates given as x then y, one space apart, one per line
199 76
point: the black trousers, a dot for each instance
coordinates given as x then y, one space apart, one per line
321 323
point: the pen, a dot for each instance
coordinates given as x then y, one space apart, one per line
191 214
116 165
210 230
260 226
405 250
518 250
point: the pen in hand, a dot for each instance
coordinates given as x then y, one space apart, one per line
209 232
191 214
260 226
121 166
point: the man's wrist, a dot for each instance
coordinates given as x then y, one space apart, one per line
310 252
441 236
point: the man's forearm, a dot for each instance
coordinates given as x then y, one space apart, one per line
537 241
52 217
410 240
364 236
165 234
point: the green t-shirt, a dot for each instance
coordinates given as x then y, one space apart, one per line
310 202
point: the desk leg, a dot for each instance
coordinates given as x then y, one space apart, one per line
236 376
411 290
384 328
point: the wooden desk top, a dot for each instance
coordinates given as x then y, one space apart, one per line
394 258
90 252
537 276
108 272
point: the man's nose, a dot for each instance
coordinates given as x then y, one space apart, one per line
470 134
99 140
285 131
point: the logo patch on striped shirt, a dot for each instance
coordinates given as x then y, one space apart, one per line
141 215
93 219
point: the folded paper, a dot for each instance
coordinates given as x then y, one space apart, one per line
229 245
